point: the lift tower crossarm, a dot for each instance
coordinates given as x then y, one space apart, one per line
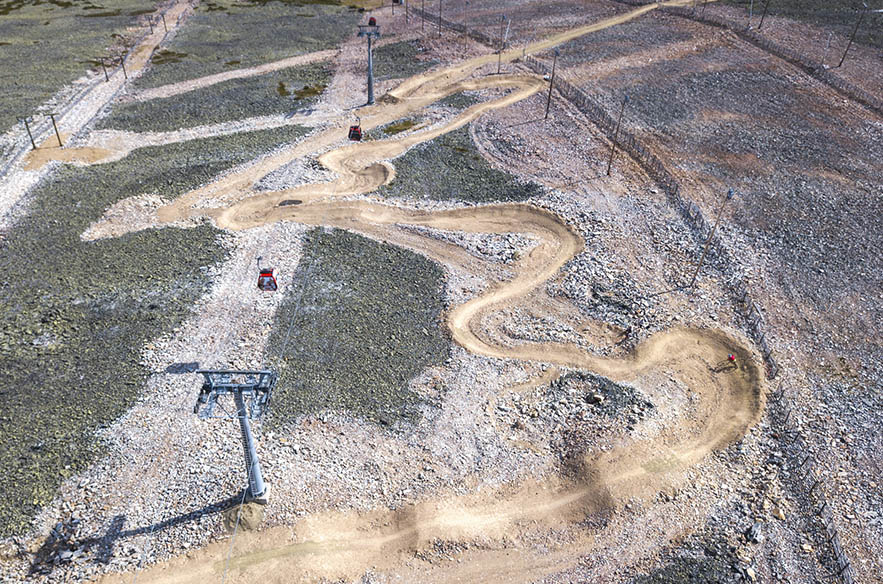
250 391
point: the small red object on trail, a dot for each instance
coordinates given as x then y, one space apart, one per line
731 358
267 280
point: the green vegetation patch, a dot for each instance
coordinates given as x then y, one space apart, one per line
224 34
75 314
458 101
364 319
45 45
400 60
398 127
280 92
451 168
165 57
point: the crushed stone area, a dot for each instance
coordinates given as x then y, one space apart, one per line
802 162
394 454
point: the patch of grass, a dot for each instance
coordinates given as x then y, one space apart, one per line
398 127
458 101
400 60
75 314
223 33
45 46
276 93
364 319
166 57
451 168
308 91
103 14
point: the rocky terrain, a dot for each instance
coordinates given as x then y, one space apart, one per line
493 364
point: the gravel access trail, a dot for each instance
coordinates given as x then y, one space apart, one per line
18 180
728 401
110 145
189 85
200 82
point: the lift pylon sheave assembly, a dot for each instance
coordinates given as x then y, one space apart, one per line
250 392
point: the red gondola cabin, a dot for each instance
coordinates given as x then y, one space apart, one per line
267 280
372 21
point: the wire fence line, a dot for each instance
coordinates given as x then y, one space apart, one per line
792 436
657 171
688 209
807 476
42 130
811 67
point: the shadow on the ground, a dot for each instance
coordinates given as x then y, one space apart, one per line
62 546
181 368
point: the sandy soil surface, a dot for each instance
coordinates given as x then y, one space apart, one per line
538 514
344 545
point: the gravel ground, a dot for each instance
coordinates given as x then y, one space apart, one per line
822 36
738 515
497 247
803 227
839 18
527 20
281 92
614 215
225 34
46 46
76 312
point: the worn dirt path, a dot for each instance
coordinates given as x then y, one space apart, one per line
88 107
335 545
18 179
173 89
189 85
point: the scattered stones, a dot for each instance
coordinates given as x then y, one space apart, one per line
754 533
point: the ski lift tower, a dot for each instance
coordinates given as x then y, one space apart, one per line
250 392
370 30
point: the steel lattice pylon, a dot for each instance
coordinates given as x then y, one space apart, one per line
250 391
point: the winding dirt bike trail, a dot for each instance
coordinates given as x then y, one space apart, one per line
344 545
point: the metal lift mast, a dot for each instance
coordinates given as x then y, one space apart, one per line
250 392
370 30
